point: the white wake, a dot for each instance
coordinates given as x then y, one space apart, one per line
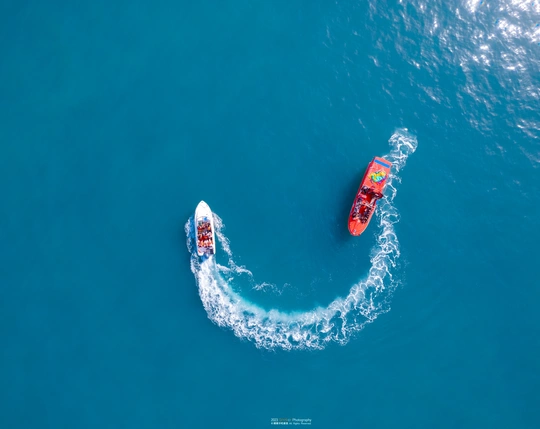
315 328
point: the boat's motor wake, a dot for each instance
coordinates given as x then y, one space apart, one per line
315 328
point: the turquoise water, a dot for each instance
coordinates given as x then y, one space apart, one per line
116 120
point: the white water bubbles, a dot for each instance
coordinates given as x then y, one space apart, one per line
313 329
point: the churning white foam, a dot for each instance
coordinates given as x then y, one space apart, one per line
312 329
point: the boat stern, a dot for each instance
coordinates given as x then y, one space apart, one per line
378 173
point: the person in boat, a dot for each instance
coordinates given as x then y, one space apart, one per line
373 193
366 213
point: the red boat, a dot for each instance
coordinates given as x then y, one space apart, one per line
370 190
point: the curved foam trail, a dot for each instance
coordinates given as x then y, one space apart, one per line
316 328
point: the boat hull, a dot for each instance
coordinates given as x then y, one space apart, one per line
370 190
204 230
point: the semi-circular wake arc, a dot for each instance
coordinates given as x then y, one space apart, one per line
316 328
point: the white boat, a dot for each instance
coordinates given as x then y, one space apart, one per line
204 230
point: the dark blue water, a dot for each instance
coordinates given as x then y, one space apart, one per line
117 119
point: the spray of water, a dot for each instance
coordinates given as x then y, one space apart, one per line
318 327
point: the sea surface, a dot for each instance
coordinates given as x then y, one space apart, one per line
117 118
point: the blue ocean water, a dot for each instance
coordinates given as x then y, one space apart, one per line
117 119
